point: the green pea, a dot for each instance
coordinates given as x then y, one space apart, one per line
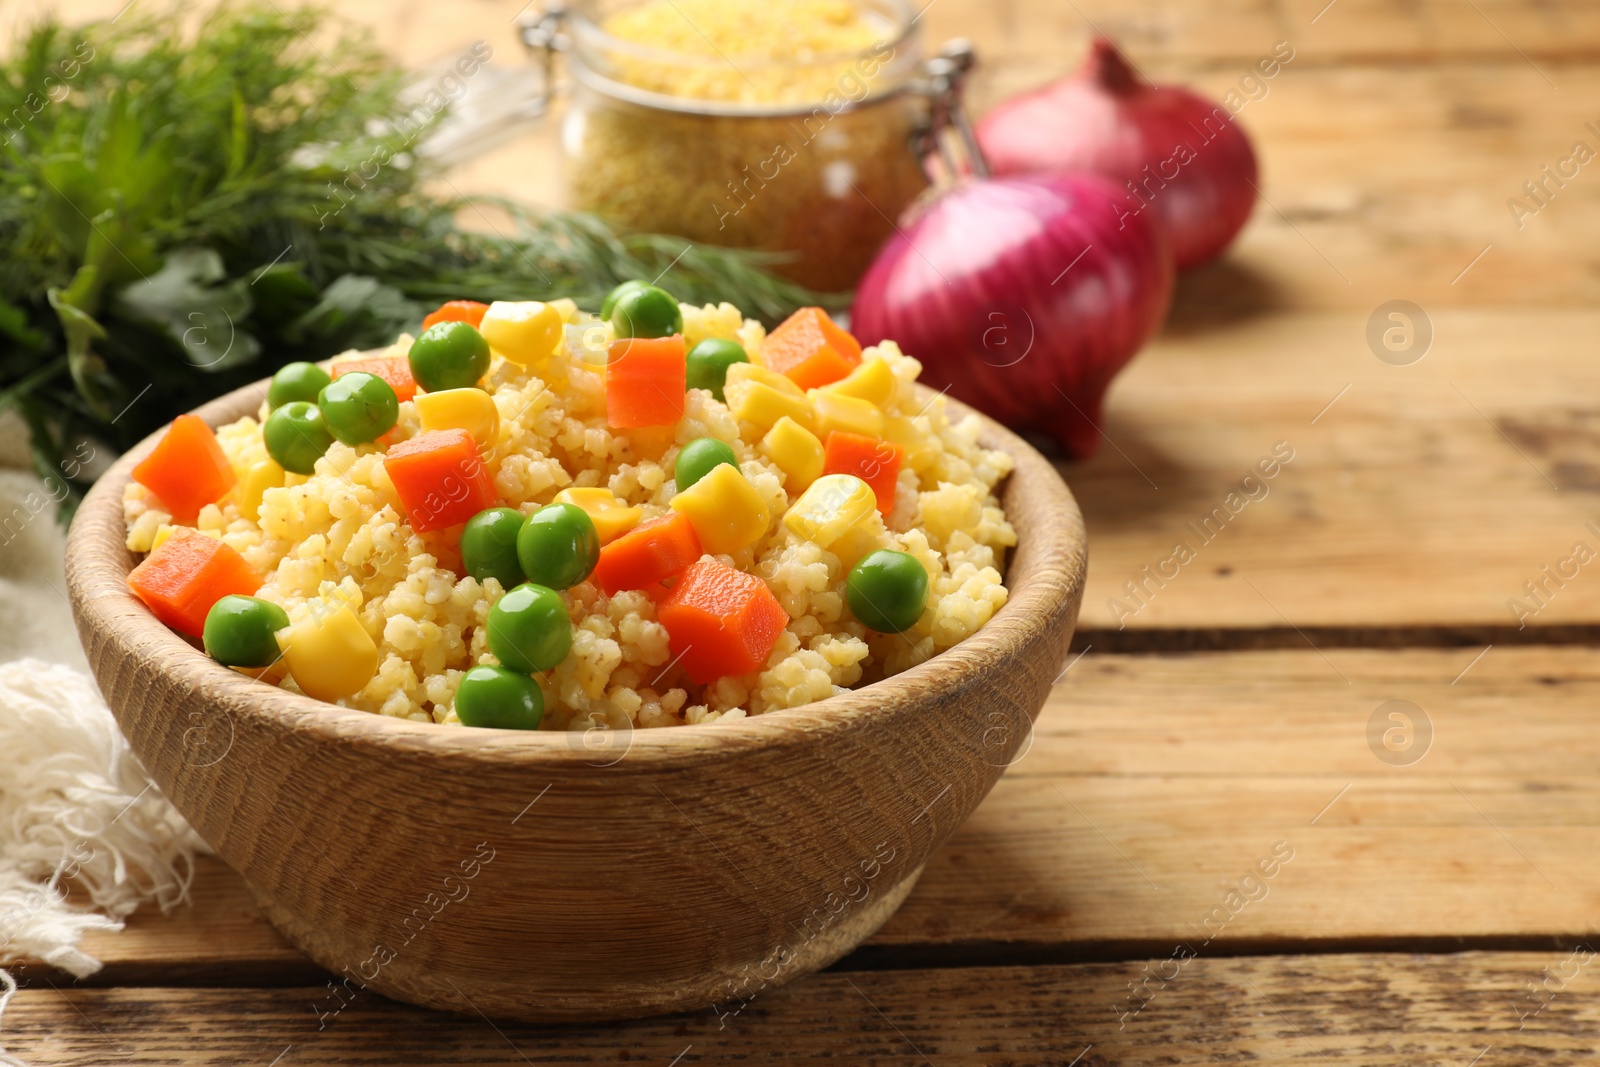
529 629
558 546
499 699
646 312
887 590
296 381
489 546
709 362
449 355
296 435
609 304
696 459
359 407
239 631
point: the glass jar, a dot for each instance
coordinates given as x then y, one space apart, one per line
810 160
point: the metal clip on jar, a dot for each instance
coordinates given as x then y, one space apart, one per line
810 160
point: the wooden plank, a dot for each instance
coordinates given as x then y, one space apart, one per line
1420 496
1113 868
1511 713
221 938
1346 31
1349 32
1153 784
1382 184
1372 1010
1039 32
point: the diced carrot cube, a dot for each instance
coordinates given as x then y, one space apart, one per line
873 461
645 382
396 370
440 478
187 574
187 470
469 311
811 349
648 554
721 621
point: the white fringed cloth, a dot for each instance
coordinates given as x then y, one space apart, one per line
76 810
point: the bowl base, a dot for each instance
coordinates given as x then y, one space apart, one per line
724 993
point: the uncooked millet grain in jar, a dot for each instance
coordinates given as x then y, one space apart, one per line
821 184
777 52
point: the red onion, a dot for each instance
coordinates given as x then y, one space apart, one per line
1182 156
1023 295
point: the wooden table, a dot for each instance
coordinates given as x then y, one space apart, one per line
1427 903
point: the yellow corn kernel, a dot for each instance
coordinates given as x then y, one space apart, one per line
919 452
611 517
832 505
796 451
470 409
725 509
873 382
331 657
751 372
848 414
524 331
261 476
761 404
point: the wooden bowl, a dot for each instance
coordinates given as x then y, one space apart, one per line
549 876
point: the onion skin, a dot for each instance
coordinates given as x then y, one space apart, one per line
1182 156
1024 295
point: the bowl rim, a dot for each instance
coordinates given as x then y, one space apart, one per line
98 564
